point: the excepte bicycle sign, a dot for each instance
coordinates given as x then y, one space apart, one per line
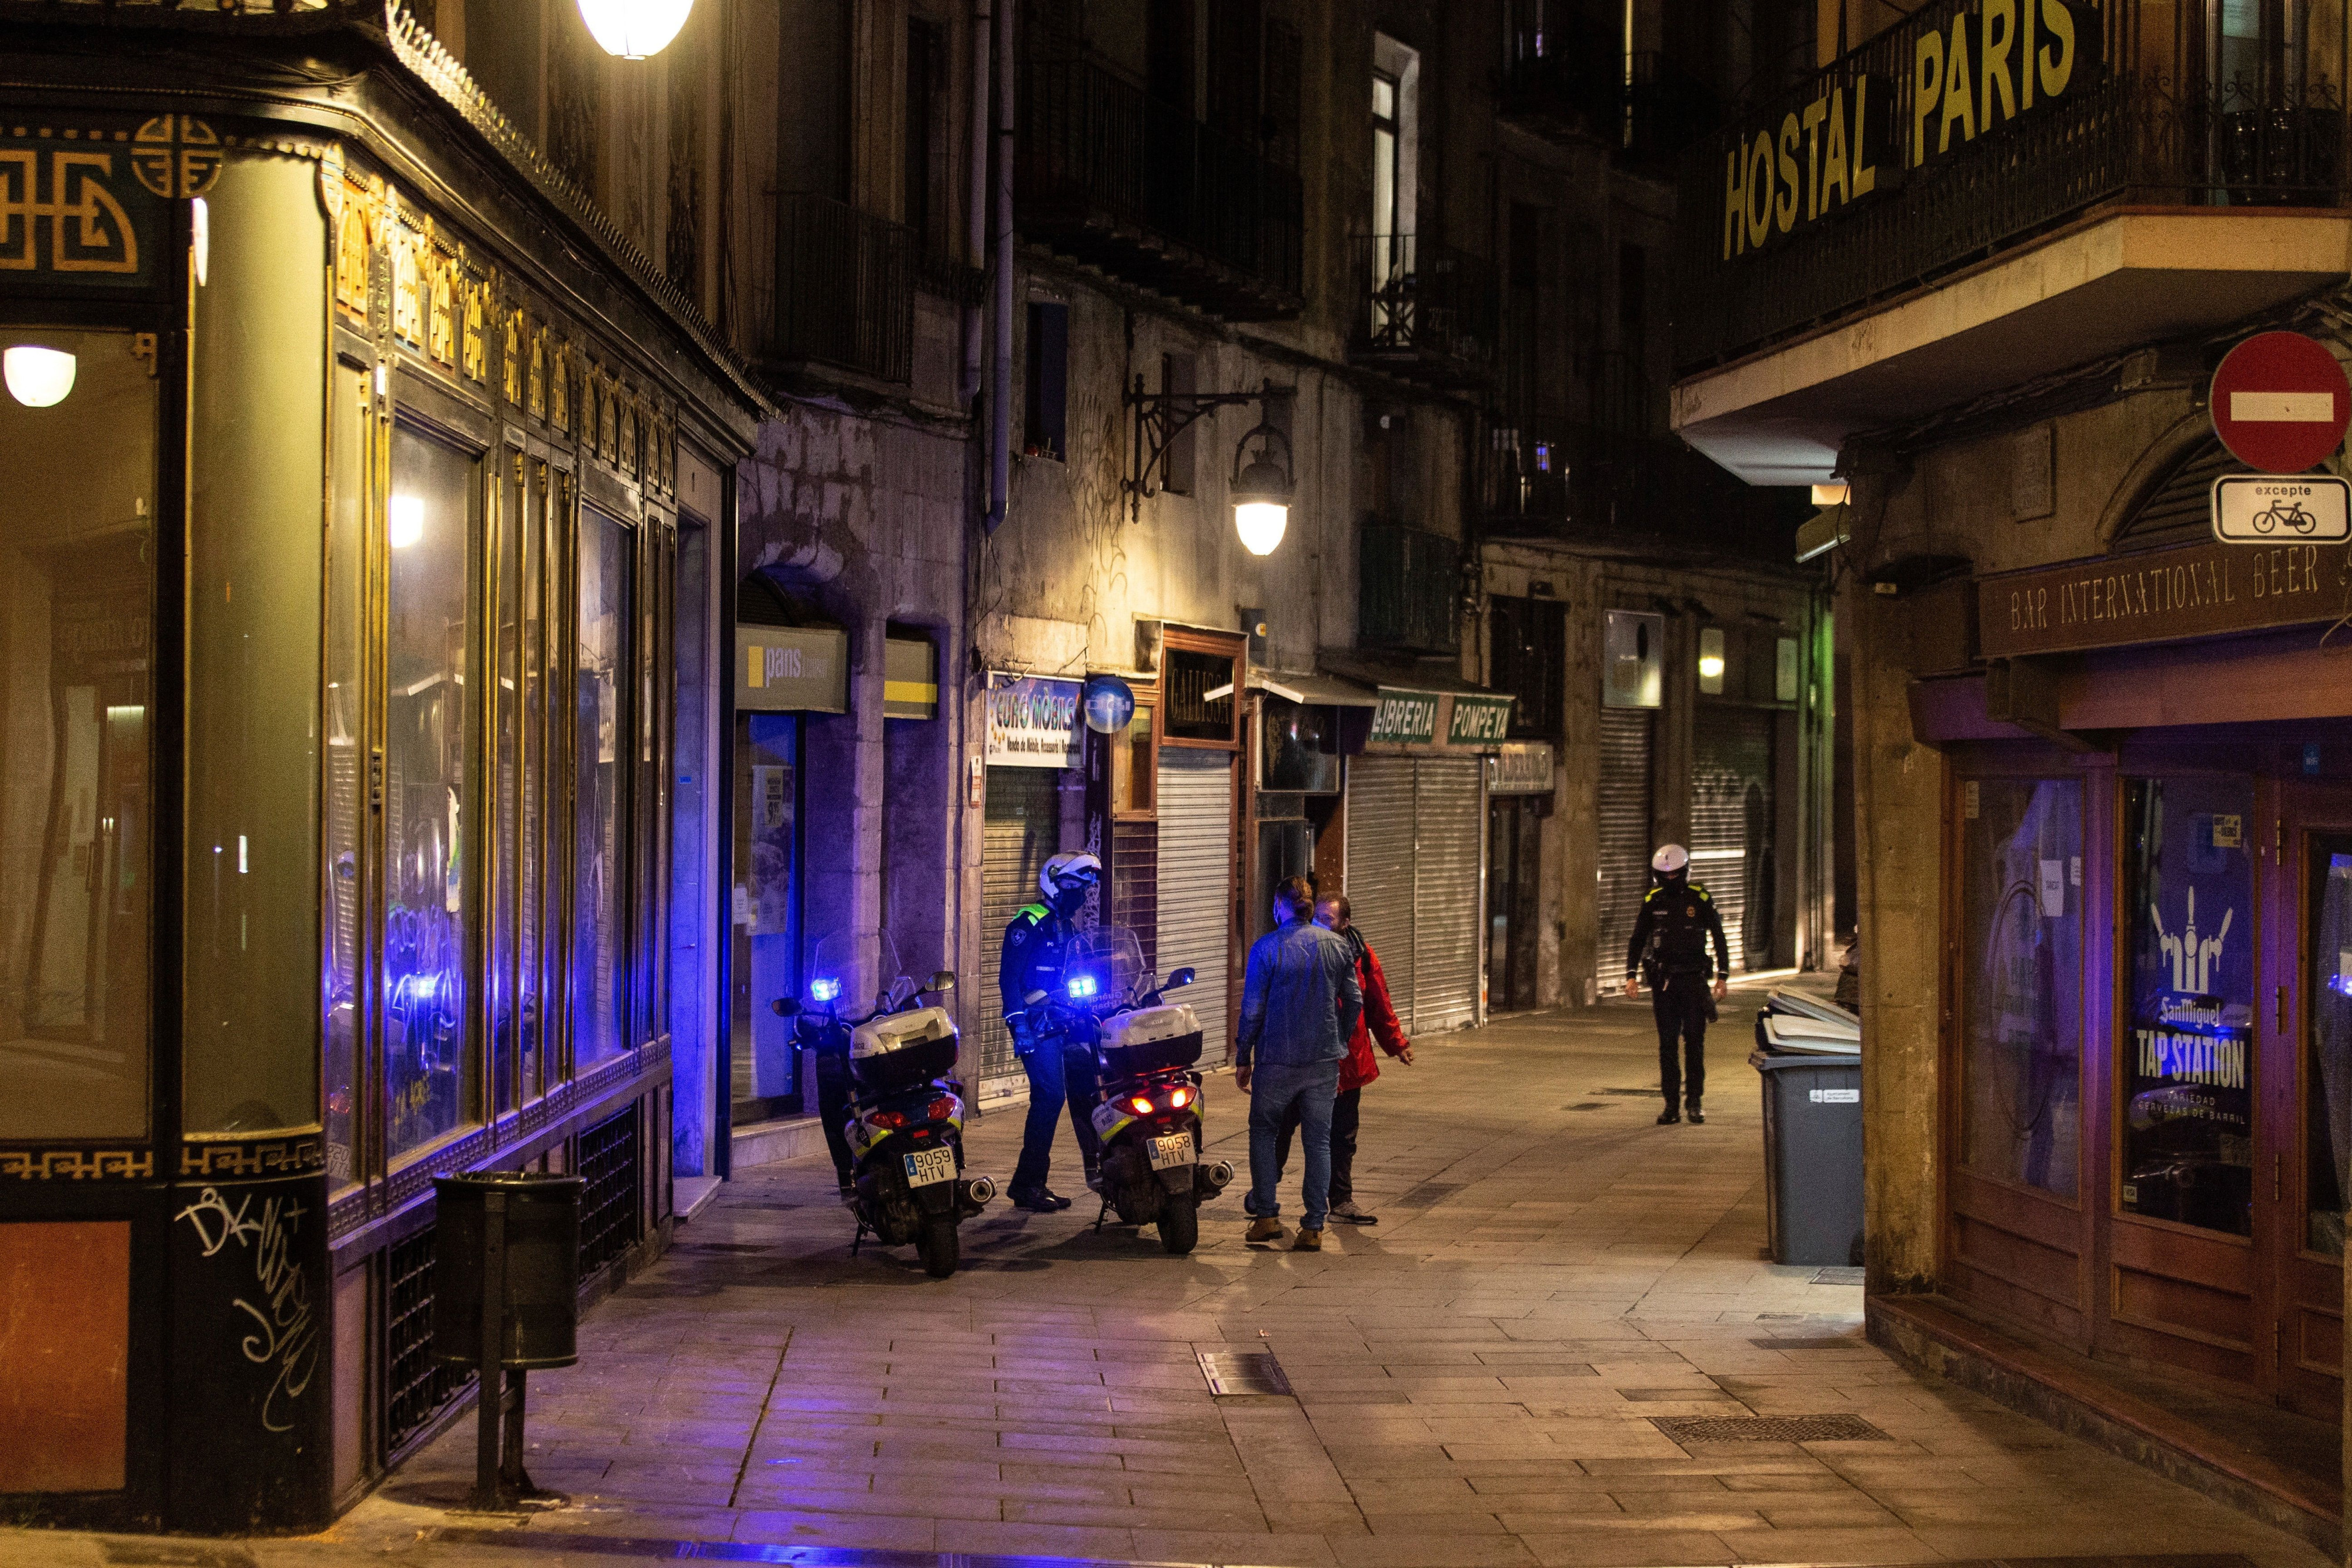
2273 508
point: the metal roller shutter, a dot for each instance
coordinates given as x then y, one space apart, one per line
1623 818
1447 829
1023 825
1195 894
1731 816
1379 866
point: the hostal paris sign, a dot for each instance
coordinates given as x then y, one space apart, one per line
1995 61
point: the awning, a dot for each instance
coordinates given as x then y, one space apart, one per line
1322 690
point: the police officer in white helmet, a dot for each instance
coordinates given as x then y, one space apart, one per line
1669 950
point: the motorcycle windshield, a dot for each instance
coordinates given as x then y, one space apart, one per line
854 973
1103 967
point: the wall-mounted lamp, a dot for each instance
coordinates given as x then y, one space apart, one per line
1710 660
1261 487
39 377
635 28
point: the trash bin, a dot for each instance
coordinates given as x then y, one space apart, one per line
541 1267
1813 1156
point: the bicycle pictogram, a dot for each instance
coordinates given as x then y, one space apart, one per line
2284 514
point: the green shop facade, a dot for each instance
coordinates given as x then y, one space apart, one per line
339 464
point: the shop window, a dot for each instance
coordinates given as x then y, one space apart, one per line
1134 767
2327 1094
501 979
766 914
1200 695
1298 748
541 896
77 640
1045 406
2022 983
600 746
2187 1067
352 418
430 523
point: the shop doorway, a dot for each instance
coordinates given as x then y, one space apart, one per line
1514 862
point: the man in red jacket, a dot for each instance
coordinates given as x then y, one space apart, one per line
1377 1020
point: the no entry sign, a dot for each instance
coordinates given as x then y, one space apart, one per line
2280 402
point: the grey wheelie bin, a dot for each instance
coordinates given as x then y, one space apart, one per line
1813 1156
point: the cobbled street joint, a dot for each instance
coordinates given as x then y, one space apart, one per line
344 453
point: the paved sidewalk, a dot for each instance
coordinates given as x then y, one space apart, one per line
1478 1377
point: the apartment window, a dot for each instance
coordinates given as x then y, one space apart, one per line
1046 415
1529 649
1179 376
1385 145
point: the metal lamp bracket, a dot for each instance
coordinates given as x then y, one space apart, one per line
1161 417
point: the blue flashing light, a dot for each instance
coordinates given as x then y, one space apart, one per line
1082 986
824 991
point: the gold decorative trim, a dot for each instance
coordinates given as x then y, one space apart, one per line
77 1165
176 156
279 1156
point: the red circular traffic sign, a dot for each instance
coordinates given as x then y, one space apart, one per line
2280 402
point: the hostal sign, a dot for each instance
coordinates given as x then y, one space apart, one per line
1994 61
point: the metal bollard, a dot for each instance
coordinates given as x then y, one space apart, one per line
506 1299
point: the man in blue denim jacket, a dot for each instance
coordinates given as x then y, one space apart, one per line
1299 1005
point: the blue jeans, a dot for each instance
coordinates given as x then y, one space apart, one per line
1275 1088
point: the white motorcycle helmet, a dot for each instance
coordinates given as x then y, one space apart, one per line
1068 874
1671 861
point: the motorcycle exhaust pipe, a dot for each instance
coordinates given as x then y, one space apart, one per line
1215 1177
977 1191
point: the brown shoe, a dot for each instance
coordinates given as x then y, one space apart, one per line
1308 1241
1263 1232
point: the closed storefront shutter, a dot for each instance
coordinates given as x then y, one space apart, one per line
1195 893
1624 821
1379 866
1731 825
1022 827
1447 811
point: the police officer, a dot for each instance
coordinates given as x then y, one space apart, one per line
1669 950
1034 944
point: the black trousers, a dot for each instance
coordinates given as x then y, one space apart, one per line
1057 1077
1680 1004
1346 1107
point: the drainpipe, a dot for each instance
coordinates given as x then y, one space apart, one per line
1000 415
976 196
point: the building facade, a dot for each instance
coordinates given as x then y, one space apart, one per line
2101 757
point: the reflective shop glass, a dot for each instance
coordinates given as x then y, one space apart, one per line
1299 748
766 957
2021 980
353 426
433 521
600 740
2327 1073
2187 1067
77 646
501 979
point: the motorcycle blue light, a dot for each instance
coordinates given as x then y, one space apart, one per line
1082 985
824 991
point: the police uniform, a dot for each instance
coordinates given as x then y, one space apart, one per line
1670 949
1036 941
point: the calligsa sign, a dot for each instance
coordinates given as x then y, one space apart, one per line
1993 61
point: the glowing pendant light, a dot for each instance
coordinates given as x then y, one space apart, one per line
635 28
39 377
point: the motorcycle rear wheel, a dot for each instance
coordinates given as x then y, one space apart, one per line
938 1246
1179 1223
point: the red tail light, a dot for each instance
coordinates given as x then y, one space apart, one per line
1140 1105
1179 1098
888 1118
942 1109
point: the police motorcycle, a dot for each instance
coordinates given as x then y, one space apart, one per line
1146 1097
903 1121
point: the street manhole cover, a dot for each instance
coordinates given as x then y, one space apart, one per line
1768 1429
1243 1372
1837 1277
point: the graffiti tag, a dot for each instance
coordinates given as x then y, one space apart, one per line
284 1335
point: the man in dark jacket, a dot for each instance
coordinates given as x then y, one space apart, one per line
1299 1004
1669 950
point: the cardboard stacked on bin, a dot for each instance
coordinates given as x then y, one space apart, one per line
1793 1023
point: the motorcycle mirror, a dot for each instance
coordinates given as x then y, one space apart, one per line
786 1007
1182 976
943 981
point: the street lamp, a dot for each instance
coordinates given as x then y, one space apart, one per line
1261 491
1261 487
635 28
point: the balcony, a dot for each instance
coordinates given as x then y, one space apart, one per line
845 289
1570 80
1885 242
1142 190
1426 311
1410 584
1574 483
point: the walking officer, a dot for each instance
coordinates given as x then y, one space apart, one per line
1034 944
1669 950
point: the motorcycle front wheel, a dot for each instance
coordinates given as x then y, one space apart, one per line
937 1245
1180 1222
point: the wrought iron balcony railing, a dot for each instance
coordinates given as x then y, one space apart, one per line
1568 76
1141 189
1425 310
1974 125
844 289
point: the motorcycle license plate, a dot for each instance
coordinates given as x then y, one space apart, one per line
1175 1149
925 1167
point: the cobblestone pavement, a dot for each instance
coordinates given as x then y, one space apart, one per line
1478 1377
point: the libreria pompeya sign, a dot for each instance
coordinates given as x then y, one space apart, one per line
1967 71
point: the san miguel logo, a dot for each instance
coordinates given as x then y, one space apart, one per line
1995 61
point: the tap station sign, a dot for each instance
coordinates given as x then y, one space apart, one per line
1971 69
2280 403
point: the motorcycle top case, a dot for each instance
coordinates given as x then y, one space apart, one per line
1151 1040
899 1051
